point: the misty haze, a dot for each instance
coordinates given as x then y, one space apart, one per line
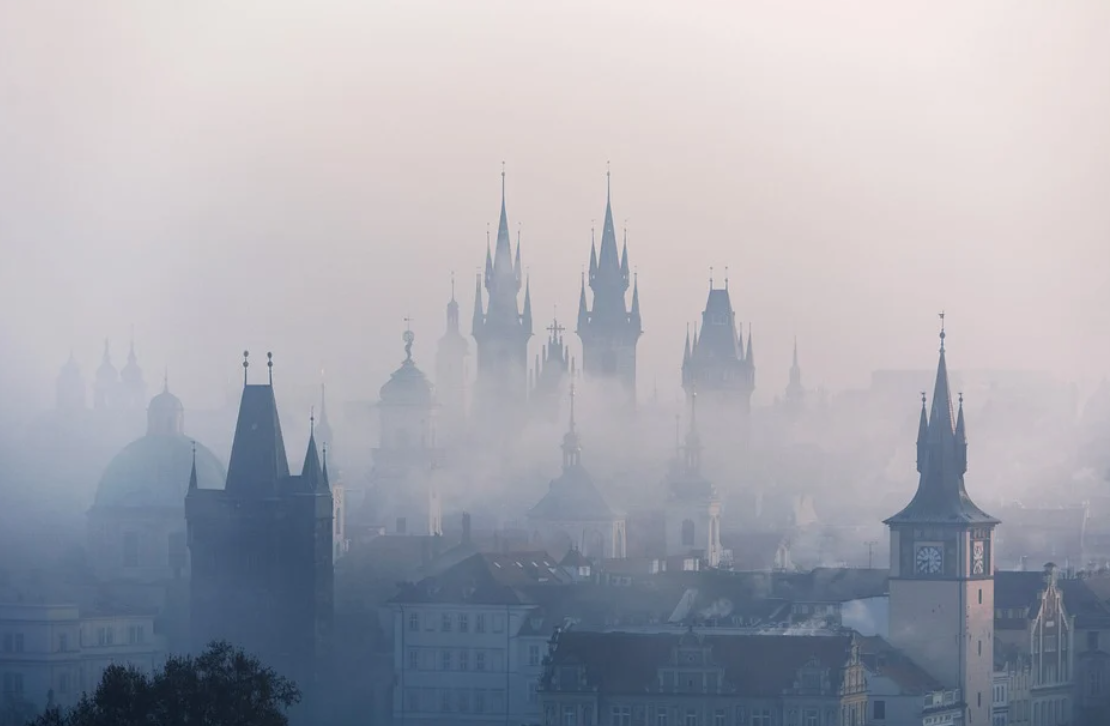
588 364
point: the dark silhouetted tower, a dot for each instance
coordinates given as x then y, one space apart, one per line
261 550
551 372
450 389
610 330
502 330
715 362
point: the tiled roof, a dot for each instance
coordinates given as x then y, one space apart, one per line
882 658
755 665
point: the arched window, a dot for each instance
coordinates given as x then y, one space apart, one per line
688 533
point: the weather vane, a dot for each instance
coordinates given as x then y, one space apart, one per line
408 336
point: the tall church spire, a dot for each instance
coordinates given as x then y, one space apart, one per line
942 460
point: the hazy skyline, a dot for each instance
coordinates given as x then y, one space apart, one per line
299 177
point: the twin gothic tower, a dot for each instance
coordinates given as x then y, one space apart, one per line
502 326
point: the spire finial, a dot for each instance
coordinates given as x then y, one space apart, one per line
246 365
726 277
487 236
592 223
408 336
194 453
711 277
502 181
312 422
942 333
607 179
270 366
960 396
626 231
452 286
923 398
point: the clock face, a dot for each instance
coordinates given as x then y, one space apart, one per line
928 560
978 558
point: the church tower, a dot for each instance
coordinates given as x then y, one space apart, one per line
794 398
693 514
261 549
550 374
715 362
502 330
610 330
451 374
941 571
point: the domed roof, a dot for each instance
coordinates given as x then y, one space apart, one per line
407 386
154 472
166 403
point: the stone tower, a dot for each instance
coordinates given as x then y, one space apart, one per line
550 374
941 572
501 330
693 514
261 550
451 357
715 362
610 330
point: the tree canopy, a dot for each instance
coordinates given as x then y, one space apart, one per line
223 686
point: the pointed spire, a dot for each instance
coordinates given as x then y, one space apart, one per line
961 439
608 261
624 258
593 256
795 362
325 484
502 254
479 316
635 312
193 472
572 450
516 262
689 351
526 316
583 309
941 424
922 435
312 474
748 354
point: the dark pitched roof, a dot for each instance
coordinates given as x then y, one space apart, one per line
572 496
755 665
882 658
258 461
1084 603
485 580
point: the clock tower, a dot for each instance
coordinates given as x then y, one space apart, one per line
941 569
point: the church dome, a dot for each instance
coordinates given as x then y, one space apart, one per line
154 472
407 386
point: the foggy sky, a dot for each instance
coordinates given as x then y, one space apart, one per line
300 176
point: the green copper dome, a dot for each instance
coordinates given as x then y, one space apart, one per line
154 472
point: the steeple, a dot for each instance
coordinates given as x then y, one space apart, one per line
193 472
794 390
453 309
572 448
526 316
583 308
479 315
312 475
634 315
258 461
323 426
941 496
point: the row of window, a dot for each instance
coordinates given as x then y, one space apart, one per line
583 715
454 700
105 636
455 660
457 622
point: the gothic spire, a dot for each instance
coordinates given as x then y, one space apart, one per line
635 313
311 474
479 316
941 496
572 449
526 316
583 308
193 472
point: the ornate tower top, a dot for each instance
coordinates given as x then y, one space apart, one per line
941 496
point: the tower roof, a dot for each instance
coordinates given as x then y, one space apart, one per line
258 460
407 386
941 496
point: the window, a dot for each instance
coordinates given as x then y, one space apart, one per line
414 659
445 625
761 717
879 710
479 661
719 717
414 622
479 702
534 692
463 701
1092 640
979 699
464 623
464 660
480 623
980 596
103 636
63 642
622 716
445 701
533 655
445 660
811 717
980 648
136 634
660 716
691 717
130 549
13 684
570 718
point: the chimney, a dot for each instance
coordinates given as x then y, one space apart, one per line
466 528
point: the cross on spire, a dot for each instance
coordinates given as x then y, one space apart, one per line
942 334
